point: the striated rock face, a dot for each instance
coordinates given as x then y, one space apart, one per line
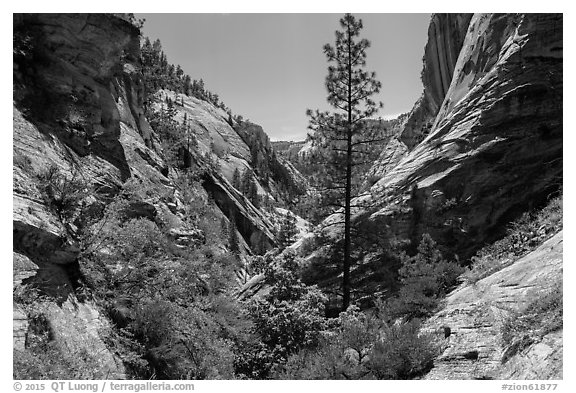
252 224
445 38
475 314
78 109
495 150
237 146
240 147
72 73
446 35
76 97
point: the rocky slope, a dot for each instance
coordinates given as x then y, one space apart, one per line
78 117
474 315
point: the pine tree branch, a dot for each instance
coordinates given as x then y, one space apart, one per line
369 141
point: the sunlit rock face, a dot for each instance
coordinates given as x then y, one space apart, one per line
446 35
76 95
495 149
79 67
475 314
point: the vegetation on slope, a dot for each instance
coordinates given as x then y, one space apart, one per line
524 235
527 326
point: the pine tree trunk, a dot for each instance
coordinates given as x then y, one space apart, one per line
347 243
346 287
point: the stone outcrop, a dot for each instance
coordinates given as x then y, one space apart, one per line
241 147
446 35
75 93
475 314
252 224
72 76
236 146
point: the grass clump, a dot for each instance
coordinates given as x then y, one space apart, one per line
542 316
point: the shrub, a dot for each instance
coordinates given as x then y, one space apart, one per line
182 342
289 318
363 346
63 192
172 320
23 162
540 317
425 278
288 231
404 352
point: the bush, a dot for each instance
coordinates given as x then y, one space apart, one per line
425 278
182 342
172 317
542 316
404 352
290 317
287 232
63 192
363 346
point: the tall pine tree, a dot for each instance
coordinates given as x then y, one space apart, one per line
342 136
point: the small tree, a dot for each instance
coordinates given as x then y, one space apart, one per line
343 137
253 194
425 277
224 230
287 319
288 231
233 240
236 179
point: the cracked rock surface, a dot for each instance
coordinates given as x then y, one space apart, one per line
475 313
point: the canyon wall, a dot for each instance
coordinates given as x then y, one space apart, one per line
495 149
79 122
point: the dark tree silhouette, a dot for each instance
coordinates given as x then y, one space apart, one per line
288 230
342 137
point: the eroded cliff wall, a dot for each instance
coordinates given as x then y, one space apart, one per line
446 35
495 149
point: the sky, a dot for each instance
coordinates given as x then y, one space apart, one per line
270 68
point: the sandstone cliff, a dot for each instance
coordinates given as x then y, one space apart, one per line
495 149
72 78
445 38
491 149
